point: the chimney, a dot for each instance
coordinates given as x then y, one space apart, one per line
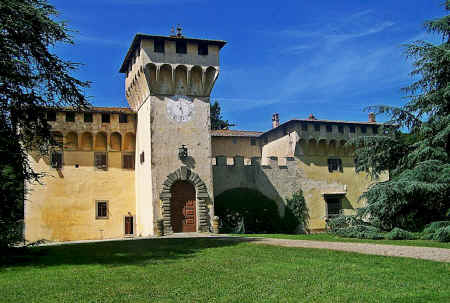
275 120
372 117
311 117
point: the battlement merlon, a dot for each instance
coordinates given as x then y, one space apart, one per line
170 65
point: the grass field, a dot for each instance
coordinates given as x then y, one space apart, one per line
332 238
214 270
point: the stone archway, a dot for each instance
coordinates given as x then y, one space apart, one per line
202 197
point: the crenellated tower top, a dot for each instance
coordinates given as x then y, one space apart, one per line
170 65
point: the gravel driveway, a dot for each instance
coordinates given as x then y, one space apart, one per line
426 253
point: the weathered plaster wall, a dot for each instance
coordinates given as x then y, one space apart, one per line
232 146
168 135
62 208
144 189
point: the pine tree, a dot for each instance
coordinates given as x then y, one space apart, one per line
418 189
32 77
217 121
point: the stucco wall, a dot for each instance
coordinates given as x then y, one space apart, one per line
63 207
232 146
144 192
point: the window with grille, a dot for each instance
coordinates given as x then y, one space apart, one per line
181 47
317 127
334 165
352 129
106 118
101 161
253 141
375 130
70 117
88 118
101 210
159 45
123 118
304 126
128 161
56 159
51 115
234 140
329 128
203 49
333 207
363 129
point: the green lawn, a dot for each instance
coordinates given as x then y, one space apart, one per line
332 238
214 270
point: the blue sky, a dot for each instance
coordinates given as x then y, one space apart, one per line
330 58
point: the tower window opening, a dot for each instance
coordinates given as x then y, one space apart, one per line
159 46
203 49
70 117
106 118
181 47
88 117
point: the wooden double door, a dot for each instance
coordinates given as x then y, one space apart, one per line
183 207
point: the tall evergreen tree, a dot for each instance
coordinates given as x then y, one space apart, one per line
217 121
418 189
32 77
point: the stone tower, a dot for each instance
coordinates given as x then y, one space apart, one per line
168 83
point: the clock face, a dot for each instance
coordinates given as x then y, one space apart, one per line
180 108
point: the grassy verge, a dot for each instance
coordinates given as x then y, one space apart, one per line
214 270
333 238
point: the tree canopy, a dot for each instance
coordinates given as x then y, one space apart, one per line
32 77
418 189
217 121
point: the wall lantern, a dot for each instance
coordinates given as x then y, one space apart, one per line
182 152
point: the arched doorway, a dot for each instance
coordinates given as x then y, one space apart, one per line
183 207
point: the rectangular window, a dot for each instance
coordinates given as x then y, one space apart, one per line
70 117
341 129
128 161
123 118
253 141
159 46
333 207
129 226
101 160
51 115
375 130
142 157
304 126
329 128
352 129
334 165
181 47
88 118
106 118
234 140
56 159
101 209
266 139
363 129
203 49
317 127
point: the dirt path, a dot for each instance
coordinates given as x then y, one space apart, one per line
426 253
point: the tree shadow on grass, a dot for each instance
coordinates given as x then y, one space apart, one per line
113 253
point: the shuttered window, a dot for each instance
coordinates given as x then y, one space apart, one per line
56 159
128 161
333 207
101 161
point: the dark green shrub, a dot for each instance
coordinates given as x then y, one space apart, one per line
343 221
247 210
400 234
296 218
442 234
434 226
360 232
